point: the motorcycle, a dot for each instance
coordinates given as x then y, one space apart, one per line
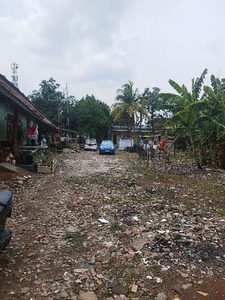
6 202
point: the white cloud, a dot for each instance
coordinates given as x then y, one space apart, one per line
97 46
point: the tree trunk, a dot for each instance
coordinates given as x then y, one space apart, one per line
134 129
165 158
221 156
196 156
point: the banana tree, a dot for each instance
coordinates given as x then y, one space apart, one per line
186 110
214 119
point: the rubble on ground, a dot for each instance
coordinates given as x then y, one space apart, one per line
104 227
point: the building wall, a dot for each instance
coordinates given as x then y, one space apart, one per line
3 123
117 135
22 130
6 124
5 127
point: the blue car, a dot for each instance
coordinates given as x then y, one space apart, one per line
107 147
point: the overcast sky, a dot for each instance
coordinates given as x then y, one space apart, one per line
96 46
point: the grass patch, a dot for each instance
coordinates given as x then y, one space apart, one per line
115 226
189 205
77 242
155 269
210 188
220 211
75 237
216 200
111 200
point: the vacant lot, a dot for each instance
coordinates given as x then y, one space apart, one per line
109 227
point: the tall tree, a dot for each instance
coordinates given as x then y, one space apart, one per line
128 105
92 117
48 99
153 106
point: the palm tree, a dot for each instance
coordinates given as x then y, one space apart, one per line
128 106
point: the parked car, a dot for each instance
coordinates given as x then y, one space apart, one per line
5 212
106 146
90 144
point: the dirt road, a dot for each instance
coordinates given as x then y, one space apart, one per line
107 227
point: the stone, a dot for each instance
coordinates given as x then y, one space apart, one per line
138 244
71 229
63 295
158 280
82 268
87 296
25 290
134 288
177 288
120 289
161 296
186 286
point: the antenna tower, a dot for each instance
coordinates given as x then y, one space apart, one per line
14 67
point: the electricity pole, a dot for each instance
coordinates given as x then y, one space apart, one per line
68 118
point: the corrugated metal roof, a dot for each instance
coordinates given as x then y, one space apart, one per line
125 128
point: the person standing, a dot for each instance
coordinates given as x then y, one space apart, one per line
32 134
162 144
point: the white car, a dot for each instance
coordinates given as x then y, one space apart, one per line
90 144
